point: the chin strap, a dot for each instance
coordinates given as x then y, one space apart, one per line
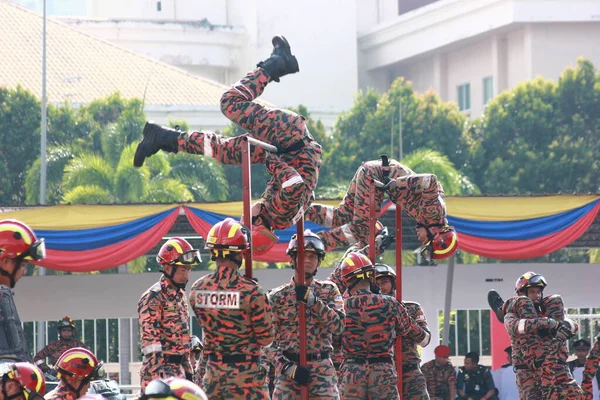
170 278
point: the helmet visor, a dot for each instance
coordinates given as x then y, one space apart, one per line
314 243
537 280
191 257
37 251
157 389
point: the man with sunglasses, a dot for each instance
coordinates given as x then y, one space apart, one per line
420 195
18 245
163 315
21 381
324 317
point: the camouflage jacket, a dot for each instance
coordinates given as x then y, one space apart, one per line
55 349
164 321
372 323
439 379
324 319
233 311
418 335
61 392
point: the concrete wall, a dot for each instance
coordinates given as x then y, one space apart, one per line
116 296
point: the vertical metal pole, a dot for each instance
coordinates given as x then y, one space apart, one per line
41 270
448 301
398 344
392 135
372 221
247 198
401 148
300 280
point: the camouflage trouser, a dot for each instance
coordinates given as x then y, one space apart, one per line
414 386
350 219
369 381
589 371
149 372
244 380
199 370
556 379
322 385
529 384
294 174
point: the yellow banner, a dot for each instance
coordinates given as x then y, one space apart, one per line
514 208
65 217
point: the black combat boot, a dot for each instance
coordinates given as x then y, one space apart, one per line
281 62
155 138
495 301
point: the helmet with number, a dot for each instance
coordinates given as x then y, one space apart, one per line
65 322
356 266
226 237
78 363
441 245
18 240
197 345
263 240
530 279
178 251
173 389
312 242
29 377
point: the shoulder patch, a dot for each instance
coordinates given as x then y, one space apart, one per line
153 303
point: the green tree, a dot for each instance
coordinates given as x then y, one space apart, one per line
540 137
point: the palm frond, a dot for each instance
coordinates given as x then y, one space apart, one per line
167 190
89 169
88 194
130 184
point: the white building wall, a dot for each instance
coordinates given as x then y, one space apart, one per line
516 58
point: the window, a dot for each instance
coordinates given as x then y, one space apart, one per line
464 97
158 6
488 89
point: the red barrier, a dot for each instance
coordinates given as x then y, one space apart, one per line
247 198
300 280
398 349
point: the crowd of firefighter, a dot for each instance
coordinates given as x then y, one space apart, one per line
360 340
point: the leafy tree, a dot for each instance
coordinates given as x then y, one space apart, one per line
540 137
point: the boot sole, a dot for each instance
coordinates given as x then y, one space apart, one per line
282 43
139 157
495 302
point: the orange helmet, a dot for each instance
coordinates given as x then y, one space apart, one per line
29 377
441 245
227 236
263 240
18 240
66 322
173 389
178 251
530 279
80 363
312 242
356 266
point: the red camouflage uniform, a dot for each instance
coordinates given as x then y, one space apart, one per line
420 195
439 380
324 319
372 323
294 174
239 327
164 332
414 385
590 369
61 392
55 349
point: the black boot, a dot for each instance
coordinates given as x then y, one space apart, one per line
281 62
495 301
155 138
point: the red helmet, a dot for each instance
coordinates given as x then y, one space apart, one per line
78 362
356 266
442 245
312 242
66 322
228 236
30 378
262 240
173 389
530 279
18 239
178 251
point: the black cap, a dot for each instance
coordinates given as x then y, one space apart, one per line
582 344
508 350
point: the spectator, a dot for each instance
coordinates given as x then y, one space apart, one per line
440 375
474 381
66 340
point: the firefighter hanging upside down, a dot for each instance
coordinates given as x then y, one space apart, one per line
294 169
420 195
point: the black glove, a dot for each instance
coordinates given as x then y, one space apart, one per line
384 241
299 374
305 295
563 332
189 376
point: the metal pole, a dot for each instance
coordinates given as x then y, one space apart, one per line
300 280
247 198
372 220
400 130
41 343
392 135
398 344
448 301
